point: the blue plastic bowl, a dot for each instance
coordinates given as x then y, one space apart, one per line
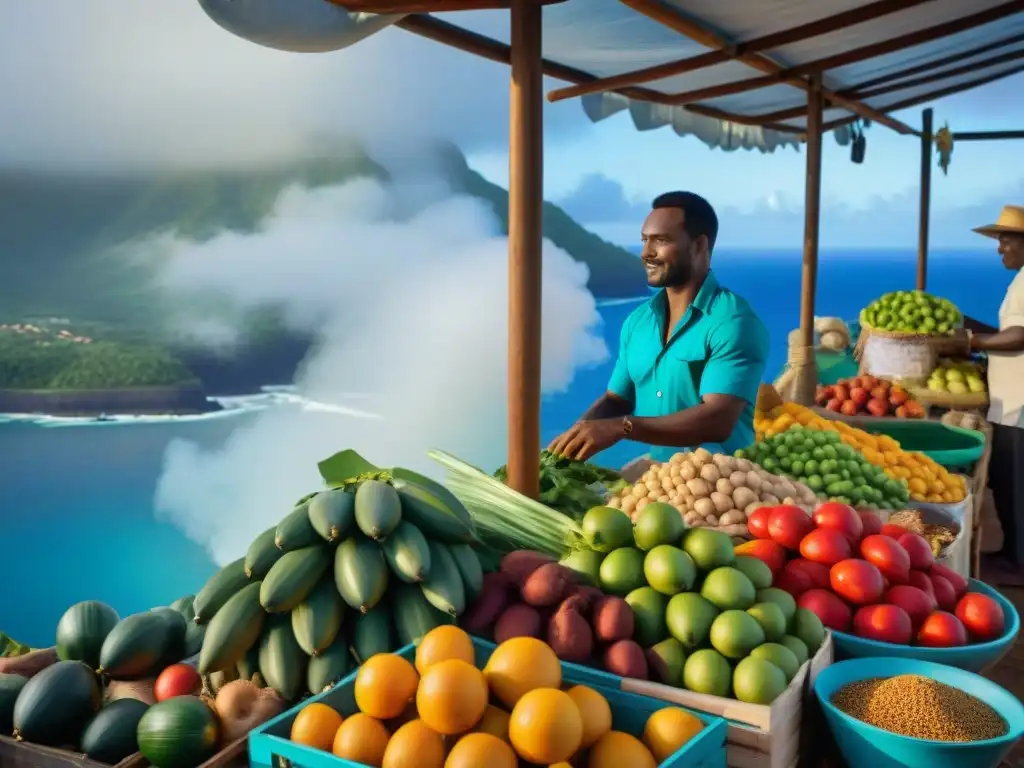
865 745
971 657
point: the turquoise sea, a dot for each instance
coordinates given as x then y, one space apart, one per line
76 502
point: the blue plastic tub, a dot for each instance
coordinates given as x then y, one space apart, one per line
865 745
269 743
970 657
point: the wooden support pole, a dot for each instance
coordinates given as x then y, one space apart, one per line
525 201
802 359
987 135
926 199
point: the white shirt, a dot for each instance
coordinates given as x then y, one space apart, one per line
1006 369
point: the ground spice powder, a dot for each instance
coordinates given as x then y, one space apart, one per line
919 707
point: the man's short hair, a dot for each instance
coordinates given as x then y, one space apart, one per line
699 217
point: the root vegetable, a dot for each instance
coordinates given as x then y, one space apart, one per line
492 600
612 619
518 566
725 487
615 502
769 500
699 487
626 659
704 507
691 518
629 504
754 481
744 465
548 586
735 530
702 455
569 634
241 706
687 471
733 517
588 597
738 479
711 521
722 502
709 473
517 621
743 497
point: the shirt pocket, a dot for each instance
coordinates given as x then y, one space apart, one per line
686 368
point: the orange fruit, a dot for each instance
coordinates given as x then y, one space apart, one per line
452 696
617 749
595 712
408 715
315 726
494 722
361 739
476 750
414 745
385 684
520 665
443 643
668 729
545 726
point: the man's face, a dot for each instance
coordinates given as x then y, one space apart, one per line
1011 248
669 255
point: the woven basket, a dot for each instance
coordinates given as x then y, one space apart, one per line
969 400
901 356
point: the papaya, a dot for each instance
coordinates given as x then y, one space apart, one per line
82 630
372 633
233 630
249 665
317 619
263 553
378 510
194 634
183 605
413 615
433 517
469 567
332 514
293 577
446 498
360 573
174 638
110 736
282 662
134 647
219 589
295 531
329 666
54 705
407 553
444 588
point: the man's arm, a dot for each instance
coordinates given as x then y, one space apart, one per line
1007 340
731 377
608 406
976 326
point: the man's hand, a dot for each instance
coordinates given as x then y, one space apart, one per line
587 438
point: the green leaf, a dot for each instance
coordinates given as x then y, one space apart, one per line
343 467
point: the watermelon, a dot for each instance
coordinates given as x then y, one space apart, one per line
110 735
54 706
178 733
82 630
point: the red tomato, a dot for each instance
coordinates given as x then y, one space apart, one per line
981 616
919 550
870 522
888 556
816 572
833 612
768 552
884 623
857 581
958 582
787 525
892 531
793 580
177 680
757 522
840 517
825 546
917 603
942 630
945 595
922 581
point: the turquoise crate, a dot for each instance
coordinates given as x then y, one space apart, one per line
269 746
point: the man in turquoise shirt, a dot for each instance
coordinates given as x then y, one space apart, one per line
690 359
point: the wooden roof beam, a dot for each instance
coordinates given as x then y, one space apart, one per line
698 33
739 51
427 6
932 96
480 45
860 92
892 45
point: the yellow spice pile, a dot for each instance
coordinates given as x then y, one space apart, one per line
916 706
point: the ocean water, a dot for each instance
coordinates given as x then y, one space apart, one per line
76 515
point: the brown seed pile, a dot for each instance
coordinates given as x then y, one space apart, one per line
916 706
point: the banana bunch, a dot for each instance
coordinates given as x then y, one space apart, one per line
944 146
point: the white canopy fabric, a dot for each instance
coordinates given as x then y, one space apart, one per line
587 40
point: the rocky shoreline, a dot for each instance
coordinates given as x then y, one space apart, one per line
187 399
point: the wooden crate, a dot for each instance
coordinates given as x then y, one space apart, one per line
21 754
759 736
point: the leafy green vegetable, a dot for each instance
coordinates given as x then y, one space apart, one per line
569 486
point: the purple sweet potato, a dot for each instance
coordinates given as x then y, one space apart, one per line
626 659
569 633
612 619
517 621
547 586
485 610
518 566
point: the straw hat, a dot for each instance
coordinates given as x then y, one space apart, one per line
1011 221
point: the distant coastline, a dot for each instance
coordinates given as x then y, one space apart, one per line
179 400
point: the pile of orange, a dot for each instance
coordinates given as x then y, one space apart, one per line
437 713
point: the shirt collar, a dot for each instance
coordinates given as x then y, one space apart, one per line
702 301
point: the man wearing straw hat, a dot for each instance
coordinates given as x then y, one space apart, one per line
1005 350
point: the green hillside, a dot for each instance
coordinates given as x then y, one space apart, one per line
58 233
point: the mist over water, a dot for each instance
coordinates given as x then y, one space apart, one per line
406 287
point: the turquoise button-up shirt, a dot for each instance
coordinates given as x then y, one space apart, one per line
720 346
